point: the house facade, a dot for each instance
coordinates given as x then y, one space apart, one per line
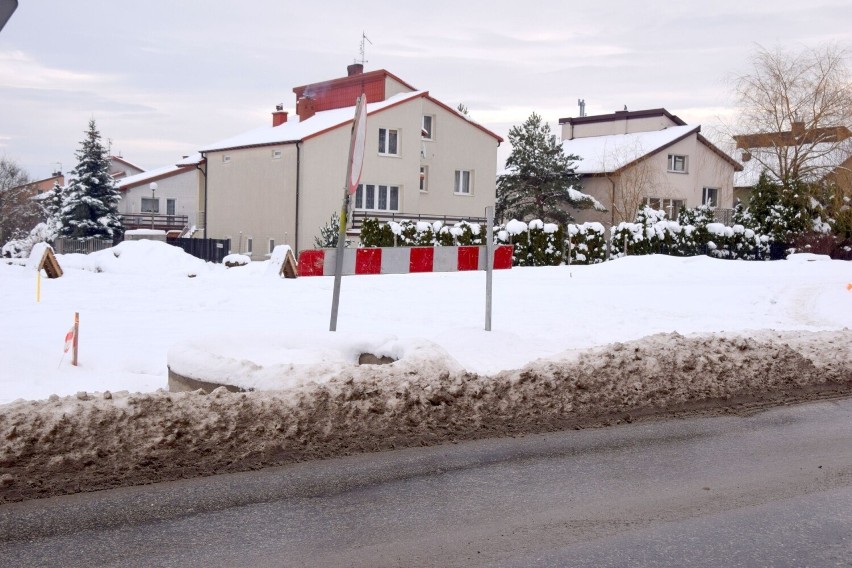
629 159
171 206
280 184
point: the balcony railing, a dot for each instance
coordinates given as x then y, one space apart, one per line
154 221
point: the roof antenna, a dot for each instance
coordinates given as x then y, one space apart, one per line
363 48
582 103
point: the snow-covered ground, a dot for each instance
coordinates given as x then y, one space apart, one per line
139 309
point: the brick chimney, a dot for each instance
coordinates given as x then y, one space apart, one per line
279 117
354 69
305 108
798 128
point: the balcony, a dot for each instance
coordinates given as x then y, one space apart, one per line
154 221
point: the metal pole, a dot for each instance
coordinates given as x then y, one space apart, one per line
338 259
489 263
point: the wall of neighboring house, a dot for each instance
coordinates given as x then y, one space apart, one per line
457 145
182 187
252 195
394 87
604 128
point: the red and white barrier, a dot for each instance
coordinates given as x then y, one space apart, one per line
402 260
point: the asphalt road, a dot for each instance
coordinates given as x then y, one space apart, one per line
771 489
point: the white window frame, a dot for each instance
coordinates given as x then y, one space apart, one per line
428 133
155 201
424 179
705 196
463 184
380 194
173 202
678 159
385 137
670 205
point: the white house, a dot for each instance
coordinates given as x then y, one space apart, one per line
171 204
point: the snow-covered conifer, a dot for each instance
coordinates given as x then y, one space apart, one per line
90 202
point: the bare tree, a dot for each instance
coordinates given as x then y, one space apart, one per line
795 110
634 180
18 212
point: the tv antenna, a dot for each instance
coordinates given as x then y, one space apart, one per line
363 52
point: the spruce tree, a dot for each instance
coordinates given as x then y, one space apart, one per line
540 182
90 203
329 233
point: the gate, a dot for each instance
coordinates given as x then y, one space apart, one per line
211 250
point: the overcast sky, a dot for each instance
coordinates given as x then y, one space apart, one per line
164 77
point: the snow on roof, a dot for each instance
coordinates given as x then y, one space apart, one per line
293 130
824 158
609 153
159 173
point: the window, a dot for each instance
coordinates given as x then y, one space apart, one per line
170 206
424 178
276 154
426 130
150 205
249 245
672 207
388 142
462 182
377 197
677 163
271 245
710 196
226 159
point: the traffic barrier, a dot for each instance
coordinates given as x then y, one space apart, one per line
402 260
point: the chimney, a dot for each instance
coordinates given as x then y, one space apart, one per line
305 108
279 117
746 156
355 69
798 128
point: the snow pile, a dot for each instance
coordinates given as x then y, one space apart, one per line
261 362
139 258
88 442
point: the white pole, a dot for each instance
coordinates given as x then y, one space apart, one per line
489 263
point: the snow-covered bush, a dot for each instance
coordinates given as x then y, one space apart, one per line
536 243
586 243
20 248
408 233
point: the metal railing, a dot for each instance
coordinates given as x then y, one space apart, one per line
65 245
154 221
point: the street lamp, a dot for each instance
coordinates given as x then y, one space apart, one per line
153 187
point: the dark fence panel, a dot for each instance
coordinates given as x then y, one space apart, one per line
211 250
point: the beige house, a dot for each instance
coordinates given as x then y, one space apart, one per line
629 159
281 183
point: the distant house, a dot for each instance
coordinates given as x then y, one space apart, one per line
42 186
119 168
629 159
281 183
811 155
172 205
